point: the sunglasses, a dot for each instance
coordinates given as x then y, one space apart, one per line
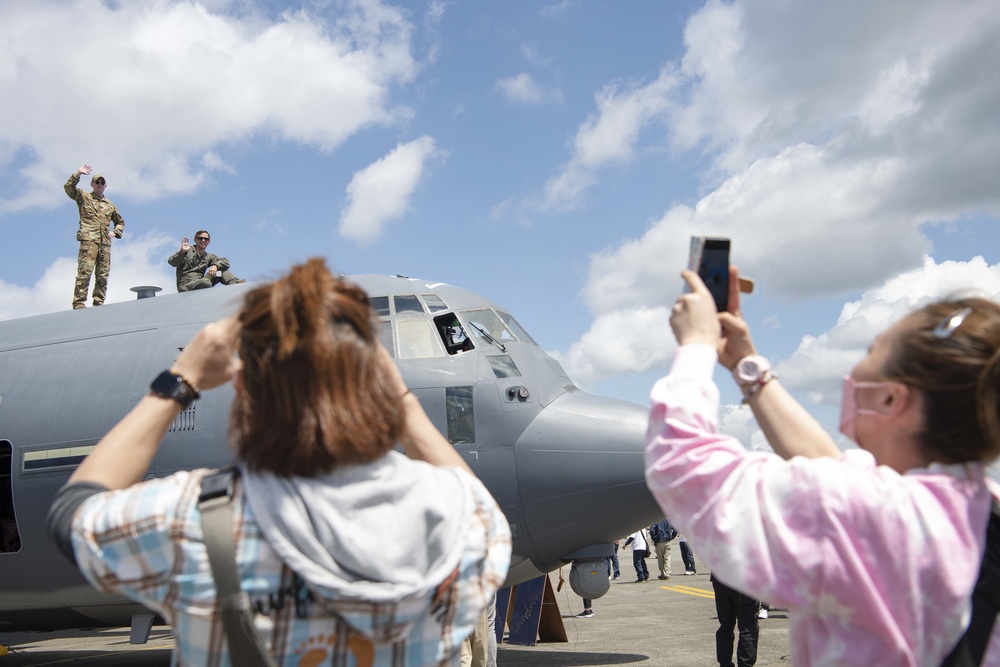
100 182
202 238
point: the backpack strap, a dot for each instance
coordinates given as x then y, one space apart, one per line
246 647
971 648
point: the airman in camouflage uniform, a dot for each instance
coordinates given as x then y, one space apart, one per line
97 214
198 269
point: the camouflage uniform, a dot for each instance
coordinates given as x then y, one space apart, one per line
96 216
191 268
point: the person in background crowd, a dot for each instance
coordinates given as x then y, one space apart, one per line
735 609
640 549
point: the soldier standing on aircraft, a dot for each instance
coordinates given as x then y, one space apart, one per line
199 269
96 215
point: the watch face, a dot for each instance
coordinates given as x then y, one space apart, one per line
751 369
165 384
169 385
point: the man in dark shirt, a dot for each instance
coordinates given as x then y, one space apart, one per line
197 268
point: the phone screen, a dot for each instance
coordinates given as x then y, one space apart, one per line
714 270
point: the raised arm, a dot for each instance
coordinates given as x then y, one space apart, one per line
790 429
70 186
122 457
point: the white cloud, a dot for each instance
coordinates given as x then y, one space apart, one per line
607 137
816 367
637 339
829 161
134 262
380 193
84 72
524 89
628 341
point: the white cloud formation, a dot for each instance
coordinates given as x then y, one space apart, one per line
637 339
828 161
816 367
380 193
524 89
82 71
134 262
628 341
607 137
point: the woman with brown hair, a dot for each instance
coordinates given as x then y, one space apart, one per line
319 406
875 551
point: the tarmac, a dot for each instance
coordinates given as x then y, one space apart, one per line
670 622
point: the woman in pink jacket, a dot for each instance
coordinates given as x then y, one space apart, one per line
875 551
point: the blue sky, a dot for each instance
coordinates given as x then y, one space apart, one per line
554 158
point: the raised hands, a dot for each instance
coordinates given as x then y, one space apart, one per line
694 320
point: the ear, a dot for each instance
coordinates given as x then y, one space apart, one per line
896 399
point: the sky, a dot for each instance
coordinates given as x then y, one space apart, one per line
554 157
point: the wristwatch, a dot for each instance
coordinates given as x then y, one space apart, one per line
752 373
171 385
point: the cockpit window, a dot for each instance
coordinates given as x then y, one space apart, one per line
452 334
484 325
385 337
503 366
380 304
416 339
407 303
434 302
518 330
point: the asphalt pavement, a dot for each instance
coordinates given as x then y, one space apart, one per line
656 622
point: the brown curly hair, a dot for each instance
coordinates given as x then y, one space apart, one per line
314 394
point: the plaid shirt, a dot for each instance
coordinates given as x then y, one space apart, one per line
146 543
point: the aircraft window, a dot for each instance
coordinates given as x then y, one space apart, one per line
453 334
380 304
504 366
416 339
434 302
408 303
485 325
461 418
385 337
10 538
518 330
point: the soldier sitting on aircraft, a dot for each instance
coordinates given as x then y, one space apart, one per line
198 269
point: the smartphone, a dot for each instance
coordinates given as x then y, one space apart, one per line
710 258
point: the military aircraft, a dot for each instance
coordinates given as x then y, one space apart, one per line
566 467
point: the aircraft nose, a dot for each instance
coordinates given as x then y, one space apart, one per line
581 476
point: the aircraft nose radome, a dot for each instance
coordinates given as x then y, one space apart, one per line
581 476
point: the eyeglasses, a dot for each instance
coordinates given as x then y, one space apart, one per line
100 182
952 322
202 238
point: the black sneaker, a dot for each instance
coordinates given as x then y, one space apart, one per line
586 613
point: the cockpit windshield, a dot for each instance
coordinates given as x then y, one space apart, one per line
494 327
